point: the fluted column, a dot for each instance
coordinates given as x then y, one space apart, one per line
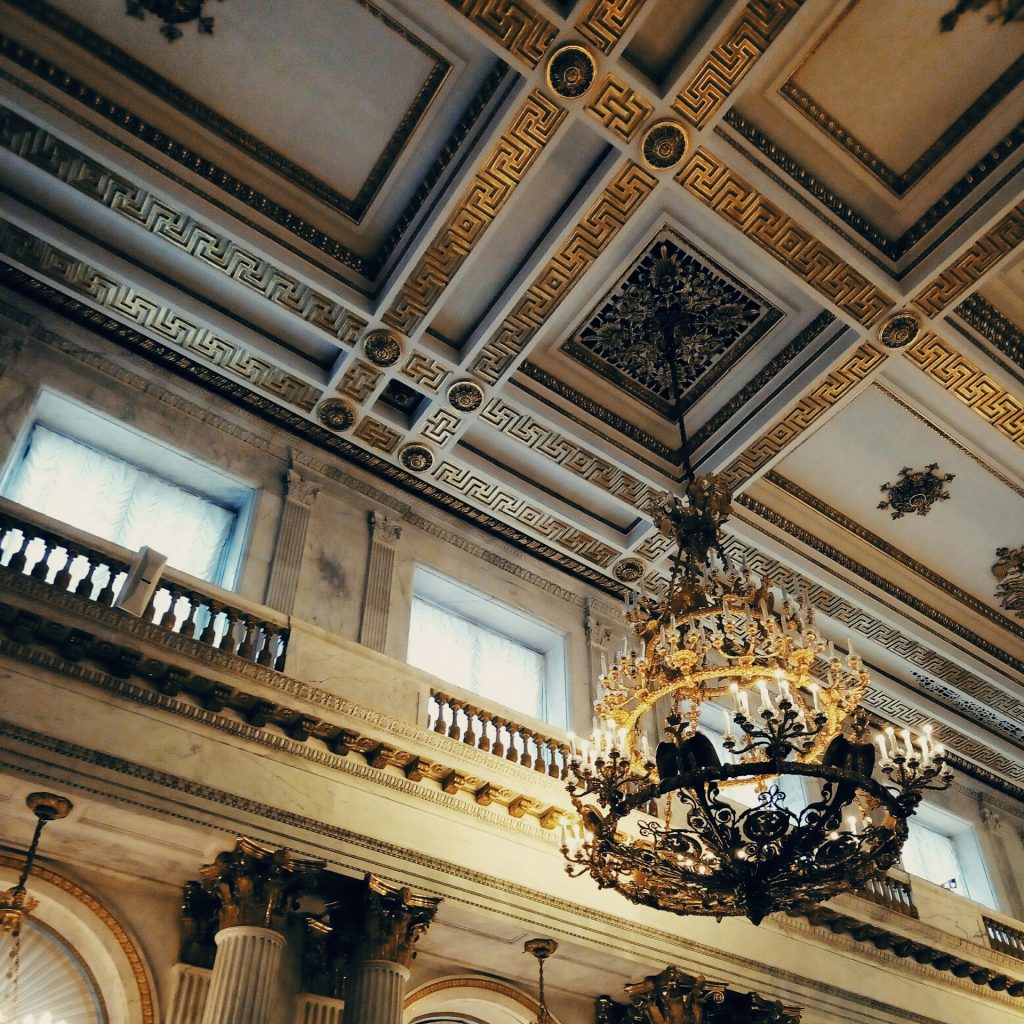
375 990
380 568
191 987
244 983
291 542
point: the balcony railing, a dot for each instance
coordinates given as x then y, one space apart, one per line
891 893
70 560
1004 939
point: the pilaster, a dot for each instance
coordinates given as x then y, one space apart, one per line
291 542
380 568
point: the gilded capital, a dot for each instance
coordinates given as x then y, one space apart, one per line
255 884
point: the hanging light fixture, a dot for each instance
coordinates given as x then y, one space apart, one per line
788 701
16 904
541 949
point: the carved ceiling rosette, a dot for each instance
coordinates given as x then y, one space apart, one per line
915 491
172 13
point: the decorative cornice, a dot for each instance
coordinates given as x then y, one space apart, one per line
864 534
330 840
512 24
353 207
993 326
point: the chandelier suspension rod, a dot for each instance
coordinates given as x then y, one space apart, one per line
672 353
31 855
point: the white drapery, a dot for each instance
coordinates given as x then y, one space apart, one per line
110 498
476 658
932 855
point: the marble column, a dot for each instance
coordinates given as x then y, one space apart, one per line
254 884
191 985
380 568
291 542
243 987
379 924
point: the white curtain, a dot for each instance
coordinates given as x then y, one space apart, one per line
476 658
110 498
932 855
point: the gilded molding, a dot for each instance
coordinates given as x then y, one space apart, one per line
490 495
896 182
619 108
100 911
474 982
359 381
377 435
970 385
853 527
892 248
732 57
142 208
588 239
706 178
606 21
513 24
531 129
1001 332
154 315
810 407
428 373
798 533
974 262
352 207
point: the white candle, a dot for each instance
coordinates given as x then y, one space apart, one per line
908 747
734 689
880 740
814 687
766 700
728 723
572 746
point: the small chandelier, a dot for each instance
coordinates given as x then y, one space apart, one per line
788 701
541 949
16 904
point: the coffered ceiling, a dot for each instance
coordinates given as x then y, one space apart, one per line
424 236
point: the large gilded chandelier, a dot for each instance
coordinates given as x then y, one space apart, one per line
679 830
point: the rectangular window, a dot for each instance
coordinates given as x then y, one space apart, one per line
103 478
943 849
467 638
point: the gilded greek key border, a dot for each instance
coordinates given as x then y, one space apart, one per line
708 179
532 127
90 178
619 108
602 222
970 385
975 261
811 406
513 24
606 21
732 57
164 322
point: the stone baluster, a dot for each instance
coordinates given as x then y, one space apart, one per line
455 730
380 567
106 594
268 652
209 633
538 760
525 760
497 747
247 647
512 730
486 718
19 551
388 921
169 619
228 641
291 542
62 579
254 884
469 735
41 568
440 703
85 578
554 757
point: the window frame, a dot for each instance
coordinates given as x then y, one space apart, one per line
521 627
148 454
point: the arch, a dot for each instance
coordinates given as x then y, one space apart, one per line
467 999
89 930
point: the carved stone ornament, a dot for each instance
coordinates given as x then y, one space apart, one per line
1009 571
899 330
915 491
256 884
417 458
172 13
663 145
571 71
383 528
336 414
465 395
682 998
301 490
628 570
382 348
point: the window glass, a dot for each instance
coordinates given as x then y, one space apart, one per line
55 986
932 855
111 498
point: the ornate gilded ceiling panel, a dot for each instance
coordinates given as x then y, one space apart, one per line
619 340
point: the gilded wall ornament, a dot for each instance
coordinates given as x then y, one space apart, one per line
416 457
628 570
382 348
571 71
172 13
663 145
722 319
1009 571
465 395
899 330
336 414
915 491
